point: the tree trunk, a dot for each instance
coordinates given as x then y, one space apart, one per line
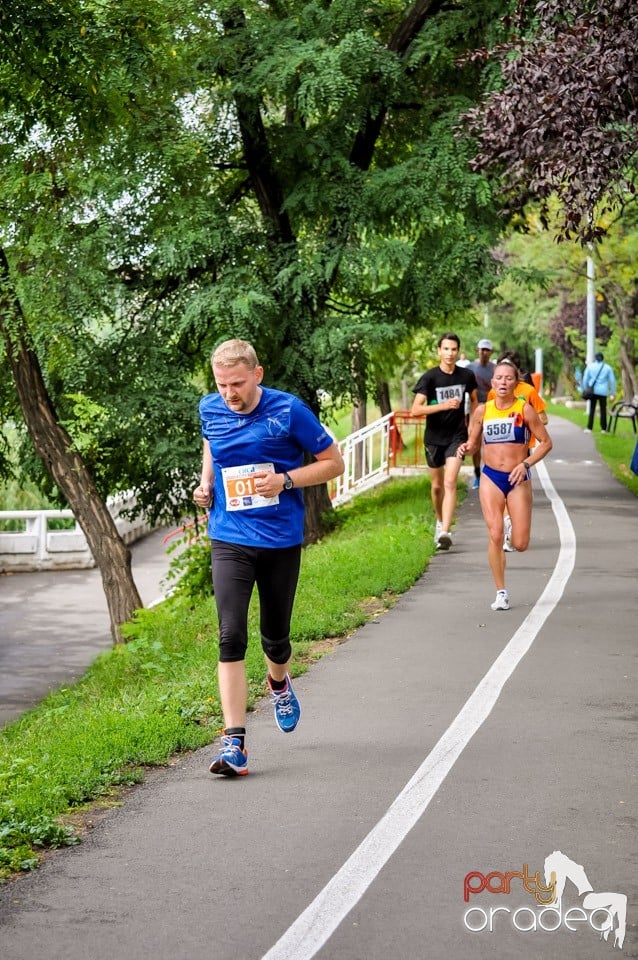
628 350
383 397
623 308
359 420
317 502
359 416
53 445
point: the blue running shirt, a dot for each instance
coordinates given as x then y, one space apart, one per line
274 436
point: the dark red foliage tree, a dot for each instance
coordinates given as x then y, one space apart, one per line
568 328
564 120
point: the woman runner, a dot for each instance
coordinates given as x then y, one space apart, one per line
506 424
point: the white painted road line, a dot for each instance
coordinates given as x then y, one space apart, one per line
321 918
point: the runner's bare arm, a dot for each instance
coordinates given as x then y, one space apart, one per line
202 493
476 429
326 465
420 407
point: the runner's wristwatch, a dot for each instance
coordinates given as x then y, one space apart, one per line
288 484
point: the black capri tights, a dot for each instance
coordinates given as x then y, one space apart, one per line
236 570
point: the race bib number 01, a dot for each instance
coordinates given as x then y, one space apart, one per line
453 392
239 486
499 431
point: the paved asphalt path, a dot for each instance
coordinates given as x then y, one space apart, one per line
54 623
351 839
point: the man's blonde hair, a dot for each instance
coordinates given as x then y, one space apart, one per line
231 352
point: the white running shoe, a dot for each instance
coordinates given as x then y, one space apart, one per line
502 601
507 542
438 526
444 540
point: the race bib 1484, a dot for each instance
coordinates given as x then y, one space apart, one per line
454 391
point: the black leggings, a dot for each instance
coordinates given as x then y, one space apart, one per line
603 411
236 569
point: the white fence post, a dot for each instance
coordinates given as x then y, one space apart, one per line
367 449
36 547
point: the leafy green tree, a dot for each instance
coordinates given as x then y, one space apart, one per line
541 302
288 173
616 261
69 77
331 192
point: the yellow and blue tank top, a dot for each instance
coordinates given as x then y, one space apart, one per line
505 426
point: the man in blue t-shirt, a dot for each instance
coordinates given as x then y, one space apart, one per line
255 439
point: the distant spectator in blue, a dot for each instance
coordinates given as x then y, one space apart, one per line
599 383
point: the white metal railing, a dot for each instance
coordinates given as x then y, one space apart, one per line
371 456
37 547
366 455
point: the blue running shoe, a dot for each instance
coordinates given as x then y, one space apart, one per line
287 709
231 761
476 483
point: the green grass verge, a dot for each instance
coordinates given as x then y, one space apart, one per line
616 449
156 695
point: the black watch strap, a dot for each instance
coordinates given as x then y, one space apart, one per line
288 482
